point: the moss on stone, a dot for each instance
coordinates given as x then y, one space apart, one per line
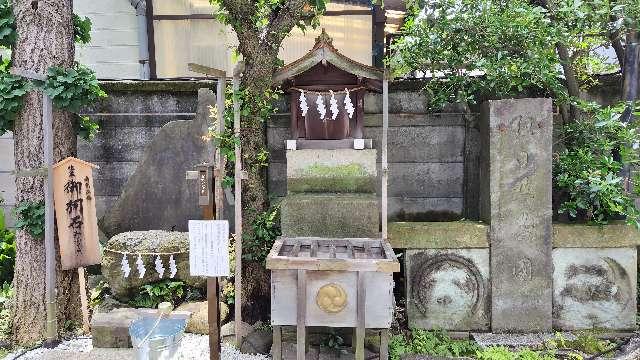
438 235
159 86
347 178
617 234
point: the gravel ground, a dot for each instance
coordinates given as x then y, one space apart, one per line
193 347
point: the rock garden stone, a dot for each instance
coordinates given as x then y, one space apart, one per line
227 331
199 321
257 342
154 241
111 330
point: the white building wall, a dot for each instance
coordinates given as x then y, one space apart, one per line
7 179
113 52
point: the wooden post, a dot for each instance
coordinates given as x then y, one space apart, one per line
277 342
84 303
384 344
49 219
385 165
213 286
301 319
238 175
360 308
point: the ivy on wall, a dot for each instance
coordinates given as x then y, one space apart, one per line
69 89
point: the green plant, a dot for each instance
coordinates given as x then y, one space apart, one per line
175 292
87 129
98 294
503 353
432 342
30 217
7 250
438 342
12 89
71 89
478 48
81 29
584 342
332 340
586 173
7 24
398 346
266 229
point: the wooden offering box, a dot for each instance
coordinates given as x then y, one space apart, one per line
332 283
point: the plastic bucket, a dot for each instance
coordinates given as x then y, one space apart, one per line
162 343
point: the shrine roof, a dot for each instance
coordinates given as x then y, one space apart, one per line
324 51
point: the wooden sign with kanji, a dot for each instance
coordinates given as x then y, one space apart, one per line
75 207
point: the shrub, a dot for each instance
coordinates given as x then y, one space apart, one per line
434 342
586 173
266 228
175 292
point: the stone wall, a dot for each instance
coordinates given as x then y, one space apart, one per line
433 157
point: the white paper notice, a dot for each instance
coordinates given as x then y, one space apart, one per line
209 248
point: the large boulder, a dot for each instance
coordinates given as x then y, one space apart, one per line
154 241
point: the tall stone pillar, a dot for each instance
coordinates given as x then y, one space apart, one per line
515 180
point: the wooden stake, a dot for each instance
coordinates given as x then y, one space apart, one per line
385 165
49 222
237 306
84 303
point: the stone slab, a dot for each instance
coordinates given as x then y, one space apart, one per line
330 215
594 288
438 235
612 235
157 195
111 330
448 289
338 171
515 175
530 340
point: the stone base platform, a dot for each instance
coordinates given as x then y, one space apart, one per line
330 215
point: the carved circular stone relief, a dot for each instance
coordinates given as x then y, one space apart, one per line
447 283
331 298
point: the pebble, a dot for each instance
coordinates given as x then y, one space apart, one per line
192 347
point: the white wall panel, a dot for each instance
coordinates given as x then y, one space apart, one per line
113 52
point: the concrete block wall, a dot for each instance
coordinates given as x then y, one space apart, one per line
129 119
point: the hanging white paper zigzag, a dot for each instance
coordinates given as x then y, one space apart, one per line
126 269
348 105
172 267
334 106
159 267
322 109
303 103
140 266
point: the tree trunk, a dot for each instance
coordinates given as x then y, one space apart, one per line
45 39
255 198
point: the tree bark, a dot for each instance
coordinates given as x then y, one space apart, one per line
45 39
259 48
